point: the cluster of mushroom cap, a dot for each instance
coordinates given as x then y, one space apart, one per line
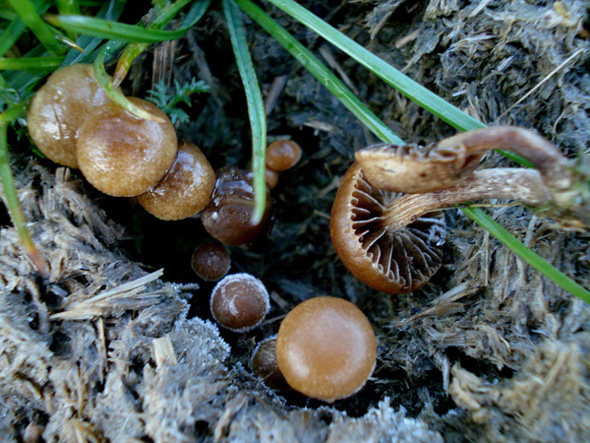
73 122
386 224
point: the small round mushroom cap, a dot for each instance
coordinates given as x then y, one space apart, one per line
415 168
210 261
326 348
228 216
389 258
282 155
185 189
239 302
57 111
264 364
122 155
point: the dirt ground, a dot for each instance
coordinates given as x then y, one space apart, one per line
111 349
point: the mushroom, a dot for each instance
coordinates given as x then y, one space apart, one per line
265 366
392 260
210 261
393 242
228 216
185 189
282 155
122 155
413 168
239 302
58 109
326 348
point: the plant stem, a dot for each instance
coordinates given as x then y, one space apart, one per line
16 214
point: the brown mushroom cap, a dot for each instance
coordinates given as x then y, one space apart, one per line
58 110
122 155
186 188
326 348
210 261
228 216
393 260
239 302
282 155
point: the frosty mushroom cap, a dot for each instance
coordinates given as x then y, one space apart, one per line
122 155
60 107
326 348
239 302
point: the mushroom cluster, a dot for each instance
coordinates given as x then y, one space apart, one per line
386 224
73 122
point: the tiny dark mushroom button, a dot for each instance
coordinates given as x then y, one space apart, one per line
60 107
282 155
185 189
326 348
239 302
123 155
265 366
392 259
210 261
228 216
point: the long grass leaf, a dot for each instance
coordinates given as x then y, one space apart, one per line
255 104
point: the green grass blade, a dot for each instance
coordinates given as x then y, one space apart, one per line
14 208
97 27
29 15
320 72
255 104
526 254
11 34
30 63
112 30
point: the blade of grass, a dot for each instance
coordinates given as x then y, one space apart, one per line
105 81
30 63
16 214
320 72
370 119
112 30
29 15
255 104
526 254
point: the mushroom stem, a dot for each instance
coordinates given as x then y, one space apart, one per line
552 165
524 185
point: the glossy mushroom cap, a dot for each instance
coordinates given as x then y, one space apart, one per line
282 155
326 348
185 189
228 216
210 261
122 155
265 366
390 259
239 302
57 111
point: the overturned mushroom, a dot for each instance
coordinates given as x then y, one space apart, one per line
390 259
414 168
392 242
